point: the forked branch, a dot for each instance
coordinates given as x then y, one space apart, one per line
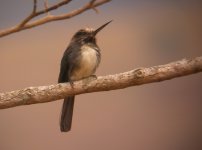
135 77
32 15
26 24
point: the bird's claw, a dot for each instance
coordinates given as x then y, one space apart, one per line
71 84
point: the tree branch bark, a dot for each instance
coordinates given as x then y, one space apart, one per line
26 24
42 94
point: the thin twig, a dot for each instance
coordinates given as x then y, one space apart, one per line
64 2
135 77
91 3
46 6
35 6
32 15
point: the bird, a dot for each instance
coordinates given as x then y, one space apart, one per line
80 60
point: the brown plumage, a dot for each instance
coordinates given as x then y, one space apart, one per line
80 60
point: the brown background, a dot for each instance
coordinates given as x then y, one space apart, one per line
156 116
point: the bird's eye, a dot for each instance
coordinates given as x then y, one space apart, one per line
80 33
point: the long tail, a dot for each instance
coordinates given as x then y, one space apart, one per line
67 113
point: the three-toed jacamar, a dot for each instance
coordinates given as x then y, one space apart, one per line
80 60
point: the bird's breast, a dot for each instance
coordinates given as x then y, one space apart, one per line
88 62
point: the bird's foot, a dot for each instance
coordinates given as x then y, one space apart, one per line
89 79
71 83
93 76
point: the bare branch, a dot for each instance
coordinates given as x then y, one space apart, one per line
135 77
26 24
34 7
30 16
64 2
46 6
91 3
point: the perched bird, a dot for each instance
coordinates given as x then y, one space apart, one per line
79 61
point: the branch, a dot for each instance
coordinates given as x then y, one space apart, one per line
46 6
42 94
26 24
32 15
64 2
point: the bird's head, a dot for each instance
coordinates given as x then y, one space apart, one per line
87 35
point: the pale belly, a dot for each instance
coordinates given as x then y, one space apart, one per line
88 64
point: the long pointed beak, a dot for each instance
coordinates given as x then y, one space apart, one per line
100 28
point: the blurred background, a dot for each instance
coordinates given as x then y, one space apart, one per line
144 33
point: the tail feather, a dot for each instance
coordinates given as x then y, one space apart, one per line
67 113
